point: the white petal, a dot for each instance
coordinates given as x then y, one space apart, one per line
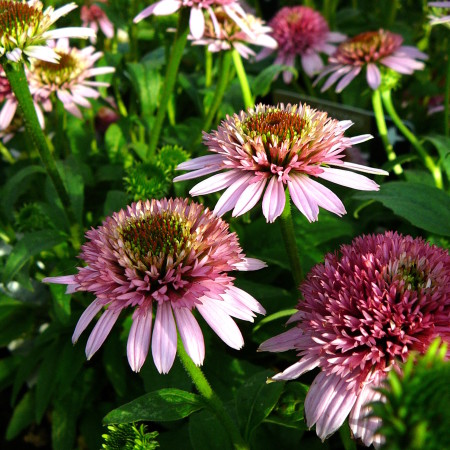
348 179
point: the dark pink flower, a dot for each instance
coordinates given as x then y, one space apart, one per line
92 16
301 31
370 50
170 253
364 310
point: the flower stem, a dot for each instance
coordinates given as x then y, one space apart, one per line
242 76
447 100
222 82
212 399
173 64
208 67
287 231
382 129
427 159
15 73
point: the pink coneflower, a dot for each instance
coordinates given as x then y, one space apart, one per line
364 310
371 50
197 19
70 77
24 29
269 148
301 31
222 33
92 16
438 18
173 253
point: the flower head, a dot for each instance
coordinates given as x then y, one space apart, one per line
171 253
370 50
196 19
271 147
301 31
70 77
364 310
92 16
222 33
24 29
439 17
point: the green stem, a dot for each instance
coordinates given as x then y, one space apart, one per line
447 100
382 129
242 76
171 75
212 399
222 82
208 67
287 231
427 159
17 79
394 6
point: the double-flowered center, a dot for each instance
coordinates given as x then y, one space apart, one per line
16 18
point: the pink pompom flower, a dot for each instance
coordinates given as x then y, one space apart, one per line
371 50
92 16
69 78
270 148
174 254
364 310
301 31
196 19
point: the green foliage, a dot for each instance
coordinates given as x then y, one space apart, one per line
128 437
415 414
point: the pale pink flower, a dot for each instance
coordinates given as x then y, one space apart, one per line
24 29
370 50
69 78
196 19
92 16
438 18
173 254
221 33
301 31
270 148
364 311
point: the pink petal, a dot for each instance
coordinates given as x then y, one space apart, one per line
230 197
274 200
164 339
312 63
334 77
161 8
89 313
347 79
139 338
307 206
297 369
402 64
190 334
101 330
361 138
201 162
7 113
361 168
197 22
283 342
247 264
246 299
249 198
348 179
216 183
373 76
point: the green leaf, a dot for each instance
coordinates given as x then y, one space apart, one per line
8 368
159 406
261 84
23 416
207 432
115 201
15 319
442 145
113 362
64 419
115 142
80 137
255 401
30 245
61 302
426 207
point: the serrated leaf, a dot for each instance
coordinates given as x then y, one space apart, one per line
30 245
255 400
22 416
426 207
159 406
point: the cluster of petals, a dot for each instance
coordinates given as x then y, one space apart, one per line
301 31
92 16
196 19
440 19
69 78
24 29
222 33
172 253
370 50
364 311
270 148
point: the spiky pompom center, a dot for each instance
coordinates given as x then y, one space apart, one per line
367 47
18 19
151 236
68 68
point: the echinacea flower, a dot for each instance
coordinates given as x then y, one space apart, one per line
370 50
92 16
222 33
70 77
437 18
174 254
24 29
196 18
364 311
301 31
271 147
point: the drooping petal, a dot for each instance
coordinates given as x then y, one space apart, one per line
139 338
230 197
164 338
215 183
299 368
373 76
347 79
7 113
101 331
348 179
307 206
249 197
282 342
197 22
274 200
312 63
